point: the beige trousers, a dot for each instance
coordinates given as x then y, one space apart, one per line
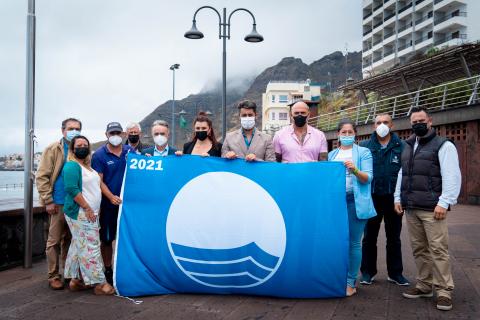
429 241
57 243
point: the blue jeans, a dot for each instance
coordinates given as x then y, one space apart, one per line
356 227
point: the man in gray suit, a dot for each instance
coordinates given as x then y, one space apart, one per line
248 142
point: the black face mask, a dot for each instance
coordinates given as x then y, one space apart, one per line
201 135
81 153
300 120
420 129
133 138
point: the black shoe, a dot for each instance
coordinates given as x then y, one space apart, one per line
367 279
399 280
109 275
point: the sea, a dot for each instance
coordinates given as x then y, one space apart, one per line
11 190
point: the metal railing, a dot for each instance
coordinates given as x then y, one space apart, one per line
461 38
9 186
453 94
450 16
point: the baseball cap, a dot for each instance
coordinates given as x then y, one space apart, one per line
114 126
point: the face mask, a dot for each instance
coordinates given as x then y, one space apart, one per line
72 134
201 135
346 140
382 130
300 120
81 152
420 129
115 140
247 122
160 140
133 138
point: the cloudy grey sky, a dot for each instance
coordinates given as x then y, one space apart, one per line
108 60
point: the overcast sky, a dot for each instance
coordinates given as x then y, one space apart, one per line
109 60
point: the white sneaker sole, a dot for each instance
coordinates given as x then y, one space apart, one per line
423 295
368 283
398 283
444 308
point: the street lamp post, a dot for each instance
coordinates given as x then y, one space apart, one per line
224 34
173 67
29 137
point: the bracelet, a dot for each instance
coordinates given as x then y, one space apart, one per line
355 171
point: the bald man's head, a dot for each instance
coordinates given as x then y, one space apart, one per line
300 106
300 113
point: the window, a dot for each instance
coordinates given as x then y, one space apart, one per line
430 14
273 98
283 98
430 34
273 116
283 116
456 35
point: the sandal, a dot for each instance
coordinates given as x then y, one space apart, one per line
77 285
104 289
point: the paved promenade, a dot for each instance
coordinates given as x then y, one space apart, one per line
24 293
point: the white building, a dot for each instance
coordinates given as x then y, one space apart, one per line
275 109
394 30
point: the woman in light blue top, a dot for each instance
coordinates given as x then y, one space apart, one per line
359 173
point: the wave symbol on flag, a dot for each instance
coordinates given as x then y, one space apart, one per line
226 268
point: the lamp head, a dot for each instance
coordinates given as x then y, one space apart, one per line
174 66
254 36
194 33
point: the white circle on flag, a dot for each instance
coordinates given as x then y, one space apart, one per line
226 231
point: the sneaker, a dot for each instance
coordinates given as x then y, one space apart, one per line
444 303
415 293
399 280
109 275
367 279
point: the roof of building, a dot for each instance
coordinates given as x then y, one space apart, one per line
447 65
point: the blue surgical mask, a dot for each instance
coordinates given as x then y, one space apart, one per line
346 140
72 134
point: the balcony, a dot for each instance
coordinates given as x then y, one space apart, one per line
405 46
377 7
422 20
450 16
459 39
422 39
378 24
367 32
377 59
367 15
389 16
387 35
405 8
376 42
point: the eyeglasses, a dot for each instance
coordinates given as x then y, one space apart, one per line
115 133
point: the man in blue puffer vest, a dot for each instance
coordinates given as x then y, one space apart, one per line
386 148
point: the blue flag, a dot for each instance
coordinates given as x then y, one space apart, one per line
211 225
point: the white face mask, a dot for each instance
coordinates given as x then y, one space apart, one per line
160 140
247 122
382 130
115 140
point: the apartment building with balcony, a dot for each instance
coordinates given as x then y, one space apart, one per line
278 96
395 30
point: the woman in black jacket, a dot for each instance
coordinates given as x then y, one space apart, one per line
203 142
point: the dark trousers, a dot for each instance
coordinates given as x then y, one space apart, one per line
393 227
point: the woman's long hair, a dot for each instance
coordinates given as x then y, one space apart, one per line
202 117
71 155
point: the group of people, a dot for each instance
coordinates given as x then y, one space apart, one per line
386 178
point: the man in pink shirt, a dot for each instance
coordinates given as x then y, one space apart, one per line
300 142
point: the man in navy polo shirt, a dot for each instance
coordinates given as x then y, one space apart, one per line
110 161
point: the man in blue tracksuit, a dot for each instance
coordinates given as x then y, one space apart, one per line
386 148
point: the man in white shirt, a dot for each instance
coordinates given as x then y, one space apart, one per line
428 184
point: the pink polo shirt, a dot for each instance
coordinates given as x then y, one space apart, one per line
287 144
